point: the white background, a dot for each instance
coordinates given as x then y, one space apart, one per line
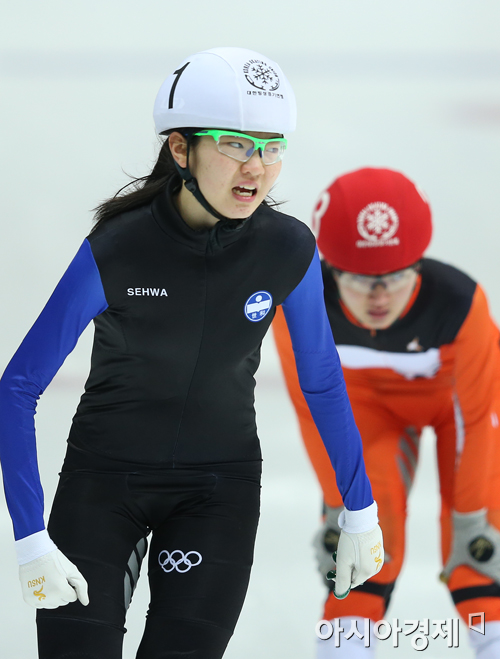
412 86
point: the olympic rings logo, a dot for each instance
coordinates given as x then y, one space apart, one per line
178 560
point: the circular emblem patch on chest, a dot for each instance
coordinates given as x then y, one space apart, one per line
258 306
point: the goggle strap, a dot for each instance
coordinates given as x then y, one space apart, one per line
192 185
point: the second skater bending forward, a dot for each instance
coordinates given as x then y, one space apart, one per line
418 348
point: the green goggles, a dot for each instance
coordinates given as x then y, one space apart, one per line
242 147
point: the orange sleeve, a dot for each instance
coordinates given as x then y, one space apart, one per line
476 380
312 440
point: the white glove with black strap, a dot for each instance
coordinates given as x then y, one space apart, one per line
48 578
476 543
360 550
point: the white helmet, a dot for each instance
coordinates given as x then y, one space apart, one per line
232 88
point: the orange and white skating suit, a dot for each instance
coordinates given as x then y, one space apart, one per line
438 365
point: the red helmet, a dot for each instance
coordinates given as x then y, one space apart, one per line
372 221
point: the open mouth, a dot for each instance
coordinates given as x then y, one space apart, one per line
244 191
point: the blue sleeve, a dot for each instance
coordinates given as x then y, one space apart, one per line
322 383
77 299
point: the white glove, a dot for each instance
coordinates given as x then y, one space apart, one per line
51 581
475 543
359 557
360 550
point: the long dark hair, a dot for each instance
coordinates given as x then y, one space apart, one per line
141 191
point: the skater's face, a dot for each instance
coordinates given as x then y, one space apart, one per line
376 302
234 188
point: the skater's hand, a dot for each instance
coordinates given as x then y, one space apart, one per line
476 543
52 581
360 555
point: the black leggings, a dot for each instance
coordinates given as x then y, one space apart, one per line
203 523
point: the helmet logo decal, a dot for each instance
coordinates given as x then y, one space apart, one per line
261 75
377 223
258 306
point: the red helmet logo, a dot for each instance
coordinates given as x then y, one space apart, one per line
377 223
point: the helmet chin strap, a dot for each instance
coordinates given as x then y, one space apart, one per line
192 185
